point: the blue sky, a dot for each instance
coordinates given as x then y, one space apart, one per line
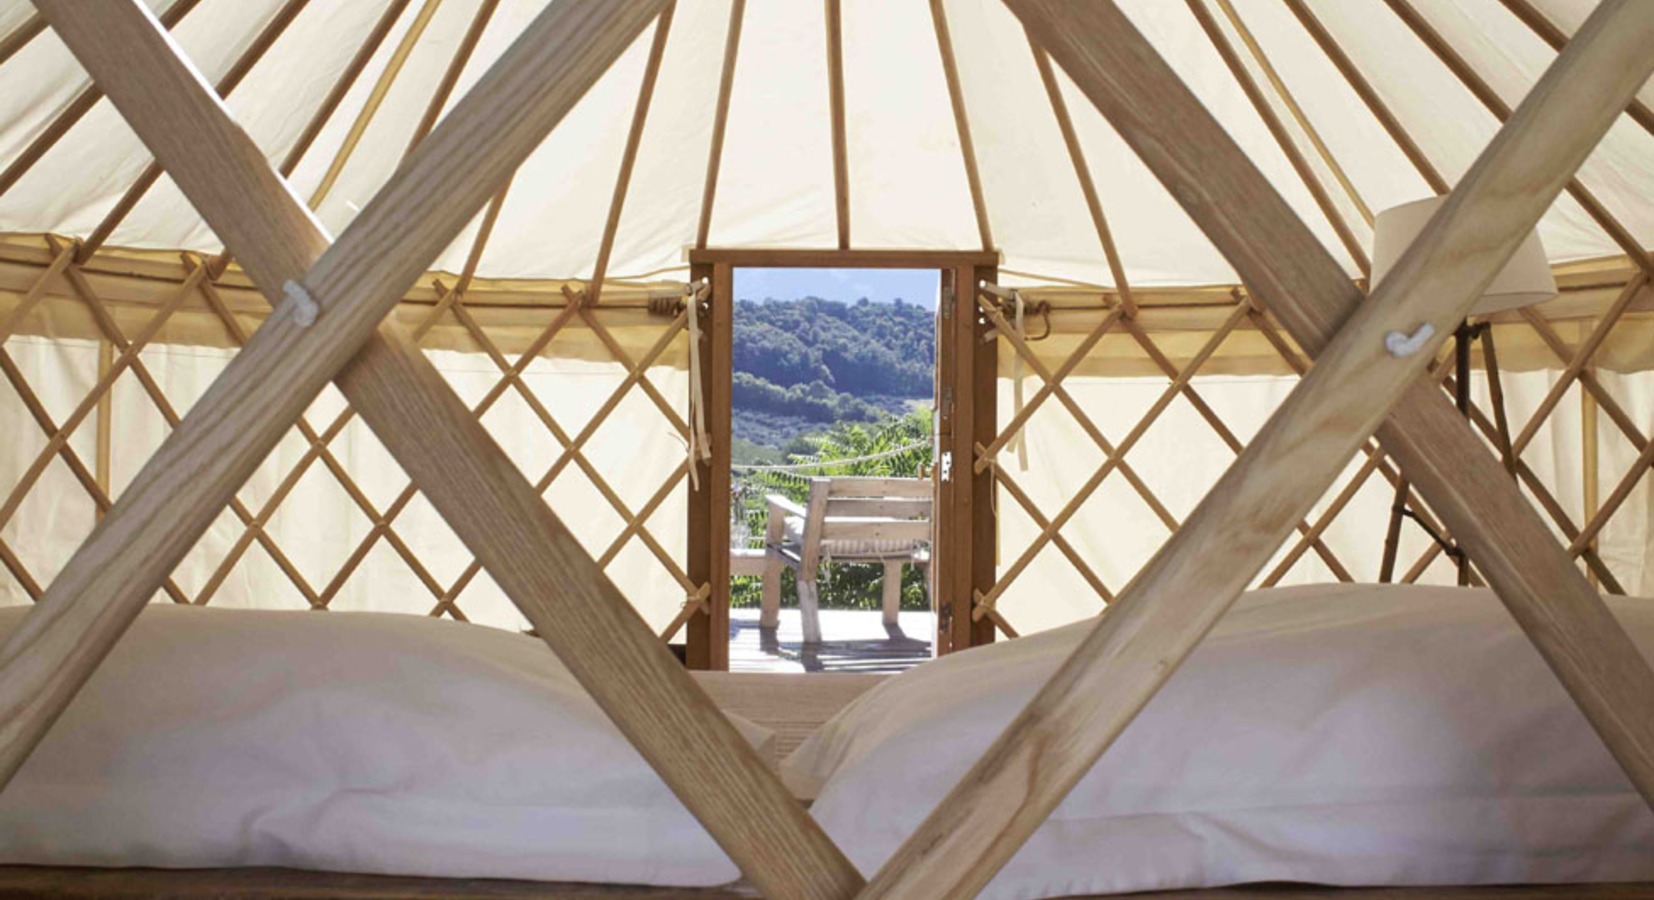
849 285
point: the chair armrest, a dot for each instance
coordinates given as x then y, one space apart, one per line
780 508
784 504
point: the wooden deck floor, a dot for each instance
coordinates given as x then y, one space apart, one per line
852 641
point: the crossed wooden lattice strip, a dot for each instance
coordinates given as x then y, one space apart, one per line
129 359
1180 386
449 301
317 450
636 377
1375 462
57 435
985 601
1129 652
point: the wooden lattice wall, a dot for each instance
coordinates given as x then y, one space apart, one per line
1175 340
127 303
129 308
1360 382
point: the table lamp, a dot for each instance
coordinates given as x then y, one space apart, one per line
1524 281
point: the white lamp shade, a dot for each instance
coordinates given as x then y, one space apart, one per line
1524 281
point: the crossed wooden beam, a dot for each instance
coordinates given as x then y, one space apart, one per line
356 280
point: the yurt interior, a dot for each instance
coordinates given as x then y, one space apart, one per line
1266 518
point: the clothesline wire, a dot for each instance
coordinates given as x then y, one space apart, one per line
830 463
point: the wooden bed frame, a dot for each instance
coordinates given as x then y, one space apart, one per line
330 298
793 706
42 883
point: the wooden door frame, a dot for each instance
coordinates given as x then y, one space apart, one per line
962 557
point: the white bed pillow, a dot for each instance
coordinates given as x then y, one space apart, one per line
1342 735
360 742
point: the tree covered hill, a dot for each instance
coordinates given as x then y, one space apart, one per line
801 365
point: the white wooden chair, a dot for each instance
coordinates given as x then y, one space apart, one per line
875 520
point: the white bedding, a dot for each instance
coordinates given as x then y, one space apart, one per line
360 742
1343 735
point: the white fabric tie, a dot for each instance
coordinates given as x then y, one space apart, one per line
1018 440
305 308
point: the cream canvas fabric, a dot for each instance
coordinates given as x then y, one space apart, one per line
908 186
907 189
318 526
1180 457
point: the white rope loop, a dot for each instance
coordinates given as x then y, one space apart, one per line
832 463
304 307
1400 345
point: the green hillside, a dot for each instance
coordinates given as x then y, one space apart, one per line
803 365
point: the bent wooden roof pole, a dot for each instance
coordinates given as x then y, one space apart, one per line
1185 589
485 498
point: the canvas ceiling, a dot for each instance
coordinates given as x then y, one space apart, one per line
907 184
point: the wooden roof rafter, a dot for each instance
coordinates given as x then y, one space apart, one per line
261 44
376 97
75 111
835 114
359 278
1501 111
961 121
628 156
1298 115
1082 172
21 36
720 120
450 75
1548 32
1272 122
330 103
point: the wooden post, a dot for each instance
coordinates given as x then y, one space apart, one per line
708 631
470 480
1356 378
967 413
891 591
